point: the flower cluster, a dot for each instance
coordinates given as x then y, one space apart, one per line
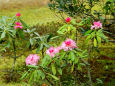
68 44
68 19
32 59
18 25
18 14
96 25
52 51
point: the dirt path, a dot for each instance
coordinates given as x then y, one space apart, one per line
8 4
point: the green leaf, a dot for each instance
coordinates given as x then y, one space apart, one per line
45 61
88 38
79 67
21 34
31 41
53 69
41 73
95 42
28 44
62 55
72 56
72 68
40 47
56 78
24 24
24 75
76 60
92 34
88 32
36 75
32 66
31 77
59 70
99 39
3 35
62 30
46 45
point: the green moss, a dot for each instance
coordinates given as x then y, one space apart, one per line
13 84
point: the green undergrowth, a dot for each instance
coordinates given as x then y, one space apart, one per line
105 50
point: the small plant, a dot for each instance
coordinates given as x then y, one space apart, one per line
11 29
67 30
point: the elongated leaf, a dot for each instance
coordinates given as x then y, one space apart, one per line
88 32
93 34
31 77
46 60
3 35
24 24
42 75
79 67
31 41
56 78
72 56
40 47
72 68
76 60
95 42
59 70
62 55
24 75
99 39
53 69
46 45
88 38
21 34
32 66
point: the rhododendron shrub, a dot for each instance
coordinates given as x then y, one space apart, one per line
52 63
95 34
12 33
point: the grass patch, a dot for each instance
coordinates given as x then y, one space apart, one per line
33 16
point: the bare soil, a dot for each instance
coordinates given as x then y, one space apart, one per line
9 4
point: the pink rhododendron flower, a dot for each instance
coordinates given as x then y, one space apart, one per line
68 19
52 51
18 14
96 25
18 25
32 59
92 27
68 44
57 50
